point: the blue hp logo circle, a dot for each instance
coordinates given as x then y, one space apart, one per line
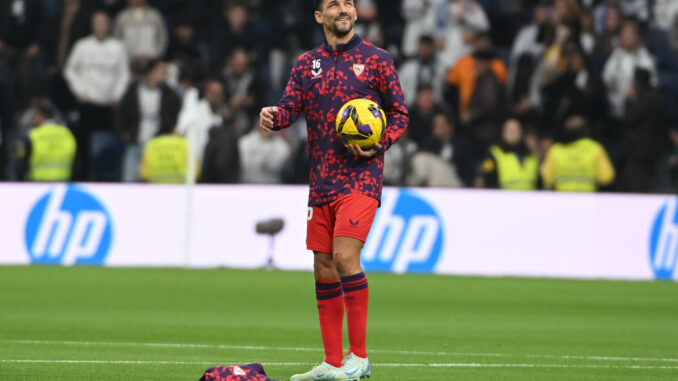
68 226
407 235
664 241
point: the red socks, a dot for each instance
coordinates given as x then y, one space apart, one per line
356 295
330 300
331 297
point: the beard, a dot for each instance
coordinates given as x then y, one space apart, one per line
340 29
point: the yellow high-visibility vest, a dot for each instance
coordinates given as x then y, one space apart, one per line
52 153
580 166
164 160
512 174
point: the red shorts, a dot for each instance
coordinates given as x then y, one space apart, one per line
349 216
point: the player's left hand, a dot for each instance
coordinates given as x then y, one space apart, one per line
355 150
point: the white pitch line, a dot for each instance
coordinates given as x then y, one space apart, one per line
303 349
389 365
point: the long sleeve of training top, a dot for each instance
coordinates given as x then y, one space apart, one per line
321 82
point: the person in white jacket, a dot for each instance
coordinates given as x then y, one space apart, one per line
621 66
457 21
263 156
97 73
143 31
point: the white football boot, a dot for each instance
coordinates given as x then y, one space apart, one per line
355 368
322 372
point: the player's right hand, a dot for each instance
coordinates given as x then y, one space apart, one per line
267 117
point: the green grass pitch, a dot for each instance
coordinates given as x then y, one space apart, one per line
171 324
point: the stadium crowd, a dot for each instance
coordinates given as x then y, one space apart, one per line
575 95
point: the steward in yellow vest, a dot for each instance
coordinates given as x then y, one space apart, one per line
48 152
164 160
510 165
579 164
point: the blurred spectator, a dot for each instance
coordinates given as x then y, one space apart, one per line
587 35
665 12
607 40
243 89
21 23
452 148
568 14
7 106
422 112
97 72
673 31
72 23
235 30
422 71
510 165
263 155
368 27
464 76
149 108
530 38
479 79
620 67
185 49
47 152
222 156
143 31
578 89
643 135
419 18
457 22
199 115
165 160
577 163
638 9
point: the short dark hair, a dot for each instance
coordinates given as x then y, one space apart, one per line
318 4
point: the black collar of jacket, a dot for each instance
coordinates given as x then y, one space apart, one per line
341 48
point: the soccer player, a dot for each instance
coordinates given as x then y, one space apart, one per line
345 180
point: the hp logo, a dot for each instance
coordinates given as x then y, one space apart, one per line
664 241
407 235
68 226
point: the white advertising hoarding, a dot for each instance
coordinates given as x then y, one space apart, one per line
466 232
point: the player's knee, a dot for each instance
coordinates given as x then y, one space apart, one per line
347 263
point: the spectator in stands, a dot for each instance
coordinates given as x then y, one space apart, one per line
644 134
185 48
422 111
510 164
620 67
479 79
607 40
73 23
263 156
149 108
97 72
7 107
142 29
199 115
451 148
422 71
465 74
221 163
47 152
458 21
419 18
21 24
243 89
165 159
235 30
530 38
578 89
577 163
638 9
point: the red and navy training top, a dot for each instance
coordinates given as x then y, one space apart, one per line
320 83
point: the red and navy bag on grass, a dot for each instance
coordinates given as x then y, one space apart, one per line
249 372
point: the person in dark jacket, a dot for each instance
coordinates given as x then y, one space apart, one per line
149 108
643 134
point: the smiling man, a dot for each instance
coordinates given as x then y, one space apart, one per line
345 180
